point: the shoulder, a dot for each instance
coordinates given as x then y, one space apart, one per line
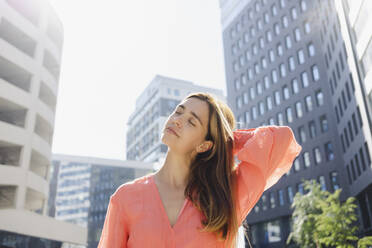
132 189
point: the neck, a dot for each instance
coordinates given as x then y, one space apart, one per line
175 170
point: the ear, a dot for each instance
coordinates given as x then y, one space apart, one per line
205 146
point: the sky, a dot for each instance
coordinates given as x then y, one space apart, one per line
111 52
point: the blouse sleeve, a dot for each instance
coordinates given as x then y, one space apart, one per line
265 154
115 230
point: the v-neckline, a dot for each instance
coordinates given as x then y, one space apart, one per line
162 207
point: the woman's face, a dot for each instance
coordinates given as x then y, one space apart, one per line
186 128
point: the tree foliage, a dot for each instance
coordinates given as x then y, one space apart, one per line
321 220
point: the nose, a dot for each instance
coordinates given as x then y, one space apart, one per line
177 120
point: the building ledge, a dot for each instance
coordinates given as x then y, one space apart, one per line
32 224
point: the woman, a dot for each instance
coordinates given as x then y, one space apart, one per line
199 198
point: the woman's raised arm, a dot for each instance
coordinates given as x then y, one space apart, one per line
265 154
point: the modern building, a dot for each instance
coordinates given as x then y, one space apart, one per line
31 38
152 109
84 186
292 63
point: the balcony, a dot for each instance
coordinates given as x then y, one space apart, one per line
28 9
39 164
17 37
12 113
7 196
10 154
51 64
47 96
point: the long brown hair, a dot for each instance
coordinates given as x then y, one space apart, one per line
210 186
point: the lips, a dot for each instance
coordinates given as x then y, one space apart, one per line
171 130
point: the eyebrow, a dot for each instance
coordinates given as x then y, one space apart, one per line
193 113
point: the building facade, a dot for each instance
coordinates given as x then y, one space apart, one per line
31 37
84 186
153 107
291 63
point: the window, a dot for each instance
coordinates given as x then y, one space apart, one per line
266 18
315 72
269 36
297 34
253 93
301 131
304 79
272 200
257 7
247 117
289 115
294 13
246 37
283 71
277 28
303 5
317 155
290 194
335 180
243 79
250 14
271 55
282 3
288 42
285 21
306 157
300 188
266 82
235 66
239 102
262 42
255 49
281 197
274 76
256 68
252 30
291 63
301 56
264 62
280 119
271 121
274 10
322 183
242 60
299 111
311 49
245 97
319 98
237 84
309 103
254 112
312 129
295 88
234 49
259 88
297 166
248 55
250 73
307 27
279 49
329 151
259 24
269 103
277 98
323 123
286 92
261 107
240 43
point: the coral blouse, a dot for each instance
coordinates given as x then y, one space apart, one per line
136 216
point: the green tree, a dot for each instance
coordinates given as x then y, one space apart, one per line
321 220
